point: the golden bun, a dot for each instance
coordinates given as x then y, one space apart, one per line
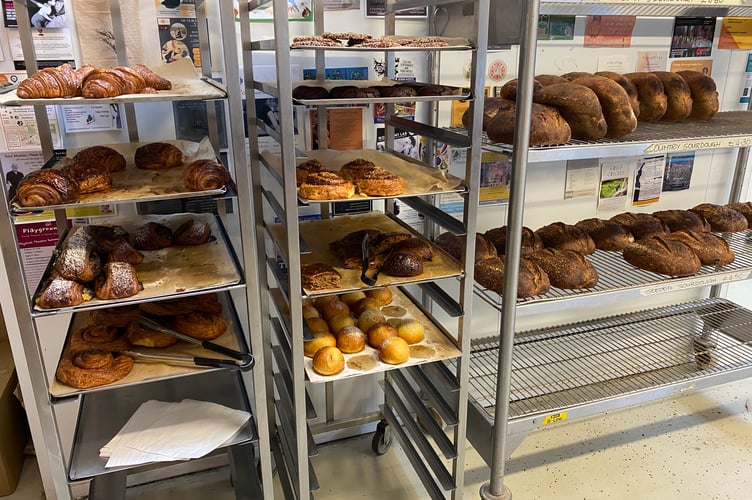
411 330
382 295
328 361
338 322
310 312
320 340
334 308
351 298
351 339
364 305
369 318
318 325
379 332
394 351
320 302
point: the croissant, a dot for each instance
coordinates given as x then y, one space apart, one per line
152 236
101 155
90 177
152 79
93 368
202 175
102 83
199 325
77 259
117 281
133 81
61 81
82 72
208 303
46 187
158 155
191 232
62 292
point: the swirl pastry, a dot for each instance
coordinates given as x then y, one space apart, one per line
101 155
379 182
106 338
46 187
77 260
119 317
157 156
62 292
117 281
61 81
152 236
94 368
199 325
90 177
355 169
208 303
326 186
191 232
139 334
152 79
303 170
203 175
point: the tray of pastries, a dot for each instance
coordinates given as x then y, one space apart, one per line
395 254
316 92
122 84
109 347
362 332
125 172
366 42
132 260
327 174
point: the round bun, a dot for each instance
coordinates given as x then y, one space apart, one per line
411 330
320 302
338 322
351 298
310 312
364 305
380 332
320 340
382 295
334 308
369 318
351 339
328 361
318 325
394 350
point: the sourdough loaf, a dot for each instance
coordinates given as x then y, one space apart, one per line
663 256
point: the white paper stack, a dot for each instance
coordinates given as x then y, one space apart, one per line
161 432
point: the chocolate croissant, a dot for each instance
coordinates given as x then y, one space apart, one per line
101 155
106 238
90 177
152 236
46 187
62 292
117 281
202 175
124 252
158 155
61 81
191 232
152 79
77 259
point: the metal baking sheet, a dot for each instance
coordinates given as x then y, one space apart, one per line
419 178
319 233
134 184
173 270
142 371
452 44
434 347
459 93
186 85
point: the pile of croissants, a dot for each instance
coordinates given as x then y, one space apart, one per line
91 82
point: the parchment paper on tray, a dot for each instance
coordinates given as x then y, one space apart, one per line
186 85
173 269
319 233
419 179
434 347
148 370
139 185
451 44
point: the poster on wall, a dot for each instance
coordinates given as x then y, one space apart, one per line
648 181
17 164
555 27
46 14
9 14
495 175
297 10
704 66
19 126
581 178
405 142
609 31
614 183
377 8
36 242
53 47
678 172
736 33
91 118
178 32
693 37
341 4
344 128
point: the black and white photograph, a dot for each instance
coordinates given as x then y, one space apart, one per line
47 14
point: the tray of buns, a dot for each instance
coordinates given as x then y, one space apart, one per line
133 184
186 85
333 92
318 234
83 275
111 330
399 311
418 179
358 42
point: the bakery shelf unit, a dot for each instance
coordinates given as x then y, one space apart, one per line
526 380
102 411
424 390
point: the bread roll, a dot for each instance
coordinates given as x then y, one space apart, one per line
382 295
704 94
663 256
319 341
369 318
411 330
578 105
351 339
328 361
627 85
679 104
404 264
617 108
310 312
531 280
338 322
317 325
529 241
606 234
380 332
682 220
363 305
566 268
334 308
721 218
641 225
566 237
350 298
394 351
546 125
653 99
711 249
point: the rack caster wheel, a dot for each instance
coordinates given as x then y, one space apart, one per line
382 438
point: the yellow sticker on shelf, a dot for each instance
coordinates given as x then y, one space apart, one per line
556 417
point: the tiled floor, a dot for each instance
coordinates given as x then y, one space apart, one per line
693 446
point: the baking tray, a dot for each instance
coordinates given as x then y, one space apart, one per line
460 93
135 184
419 179
232 338
318 233
186 85
170 271
436 346
452 44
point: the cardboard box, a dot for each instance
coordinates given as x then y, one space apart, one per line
14 429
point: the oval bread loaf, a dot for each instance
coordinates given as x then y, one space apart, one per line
653 100
578 105
627 85
617 109
663 256
704 94
679 103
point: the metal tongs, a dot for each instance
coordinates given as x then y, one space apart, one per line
368 280
241 361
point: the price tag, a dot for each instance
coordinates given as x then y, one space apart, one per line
556 417
715 3
696 144
695 282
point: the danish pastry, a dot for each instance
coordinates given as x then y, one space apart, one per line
46 187
117 281
326 186
199 325
62 292
141 335
94 368
152 236
303 170
124 252
158 156
107 338
203 175
379 182
191 232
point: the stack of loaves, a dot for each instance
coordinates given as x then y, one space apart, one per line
604 104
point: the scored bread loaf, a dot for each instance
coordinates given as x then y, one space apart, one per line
566 237
606 234
679 98
721 218
550 79
617 108
744 208
529 241
682 220
565 268
711 249
641 225
454 245
653 100
663 256
531 280
704 94
546 125
627 85
509 89
578 105
574 75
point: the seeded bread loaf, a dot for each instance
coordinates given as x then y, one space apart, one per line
663 256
